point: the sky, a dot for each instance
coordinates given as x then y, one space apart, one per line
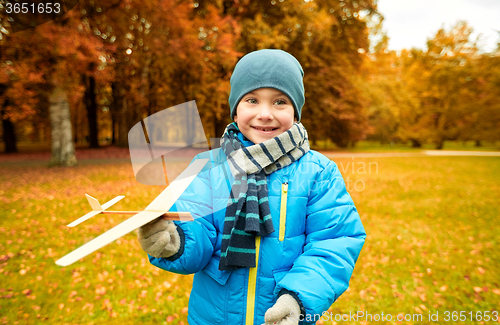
409 23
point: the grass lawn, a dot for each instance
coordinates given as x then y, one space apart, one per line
376 146
432 244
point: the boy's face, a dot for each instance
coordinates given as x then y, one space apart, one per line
263 114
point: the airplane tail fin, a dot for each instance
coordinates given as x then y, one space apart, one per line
94 203
96 208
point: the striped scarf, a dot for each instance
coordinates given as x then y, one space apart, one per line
247 213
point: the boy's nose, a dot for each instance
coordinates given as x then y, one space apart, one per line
265 112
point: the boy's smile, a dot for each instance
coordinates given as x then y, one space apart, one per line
263 114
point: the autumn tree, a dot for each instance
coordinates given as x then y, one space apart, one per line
18 80
326 37
444 81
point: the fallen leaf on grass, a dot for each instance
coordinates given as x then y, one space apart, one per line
106 304
100 291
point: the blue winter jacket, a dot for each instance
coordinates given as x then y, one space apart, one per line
317 239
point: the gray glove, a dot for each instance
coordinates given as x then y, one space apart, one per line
285 311
159 238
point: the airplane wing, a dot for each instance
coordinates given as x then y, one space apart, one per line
159 206
113 201
85 217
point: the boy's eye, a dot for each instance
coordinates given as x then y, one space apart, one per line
283 102
252 100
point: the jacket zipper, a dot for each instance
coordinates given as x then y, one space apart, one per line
252 273
252 285
284 193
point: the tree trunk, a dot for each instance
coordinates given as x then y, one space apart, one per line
123 114
478 143
439 144
145 85
219 126
342 143
75 126
9 135
91 105
123 121
63 150
415 143
114 111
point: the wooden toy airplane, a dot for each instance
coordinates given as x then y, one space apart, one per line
156 209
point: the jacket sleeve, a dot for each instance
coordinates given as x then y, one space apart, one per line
198 237
334 238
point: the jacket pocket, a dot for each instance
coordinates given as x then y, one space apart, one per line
212 270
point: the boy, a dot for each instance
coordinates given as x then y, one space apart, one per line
278 245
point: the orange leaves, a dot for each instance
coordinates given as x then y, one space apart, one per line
478 289
9 255
88 306
106 304
100 290
171 318
101 276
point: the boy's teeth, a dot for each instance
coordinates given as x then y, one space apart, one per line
264 129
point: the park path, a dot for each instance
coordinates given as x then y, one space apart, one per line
423 153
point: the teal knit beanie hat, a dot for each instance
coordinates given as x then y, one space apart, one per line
268 69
